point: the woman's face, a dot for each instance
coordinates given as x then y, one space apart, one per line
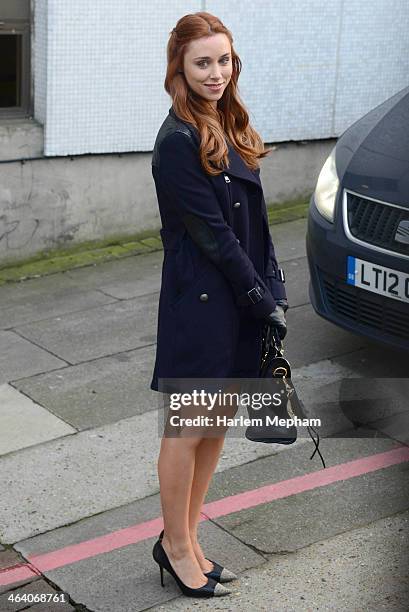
208 61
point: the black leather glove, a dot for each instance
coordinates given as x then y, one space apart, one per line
277 318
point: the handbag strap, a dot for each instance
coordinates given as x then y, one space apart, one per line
272 339
299 407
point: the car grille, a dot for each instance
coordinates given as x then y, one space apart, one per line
376 223
375 311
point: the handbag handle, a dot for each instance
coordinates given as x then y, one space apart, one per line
273 339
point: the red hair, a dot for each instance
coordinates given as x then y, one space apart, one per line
230 119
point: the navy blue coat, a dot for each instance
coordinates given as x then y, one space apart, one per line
220 275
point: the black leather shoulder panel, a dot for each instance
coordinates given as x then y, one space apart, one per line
170 126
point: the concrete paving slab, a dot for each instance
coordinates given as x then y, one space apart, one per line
97 392
376 361
127 579
310 338
51 608
304 518
79 458
289 240
124 278
20 357
19 307
65 607
24 423
239 451
124 558
376 402
64 480
138 275
111 388
395 426
363 569
284 465
297 276
32 288
9 557
91 472
318 388
97 332
326 369
90 527
37 588
343 401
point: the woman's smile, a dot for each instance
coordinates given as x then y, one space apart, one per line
214 87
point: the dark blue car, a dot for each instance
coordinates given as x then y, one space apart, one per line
358 227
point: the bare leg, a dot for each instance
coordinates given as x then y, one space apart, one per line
207 456
175 469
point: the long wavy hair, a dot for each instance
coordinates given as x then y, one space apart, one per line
229 119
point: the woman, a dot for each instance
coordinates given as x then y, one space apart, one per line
220 280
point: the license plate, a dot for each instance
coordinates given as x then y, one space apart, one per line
378 279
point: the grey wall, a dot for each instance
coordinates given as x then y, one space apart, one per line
47 203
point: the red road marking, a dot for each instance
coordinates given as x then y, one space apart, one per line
44 562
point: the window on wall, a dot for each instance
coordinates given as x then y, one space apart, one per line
15 58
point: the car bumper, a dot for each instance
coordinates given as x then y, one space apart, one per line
357 310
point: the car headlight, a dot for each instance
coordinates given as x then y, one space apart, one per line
327 188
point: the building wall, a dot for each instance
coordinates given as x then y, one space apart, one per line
49 203
105 73
313 67
310 67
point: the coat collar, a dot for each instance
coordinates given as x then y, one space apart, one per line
237 167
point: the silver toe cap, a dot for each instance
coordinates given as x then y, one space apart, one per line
220 590
227 575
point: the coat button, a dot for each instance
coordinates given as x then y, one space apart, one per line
236 204
204 297
238 240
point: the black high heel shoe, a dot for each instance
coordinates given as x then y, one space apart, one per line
218 573
212 588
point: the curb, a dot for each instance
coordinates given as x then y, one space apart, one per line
45 265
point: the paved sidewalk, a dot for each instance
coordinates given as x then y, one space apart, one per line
79 504
346 572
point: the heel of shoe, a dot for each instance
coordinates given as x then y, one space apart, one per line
212 588
158 557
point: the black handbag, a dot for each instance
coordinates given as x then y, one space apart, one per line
274 365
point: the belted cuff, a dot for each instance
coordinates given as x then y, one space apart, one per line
259 301
250 297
